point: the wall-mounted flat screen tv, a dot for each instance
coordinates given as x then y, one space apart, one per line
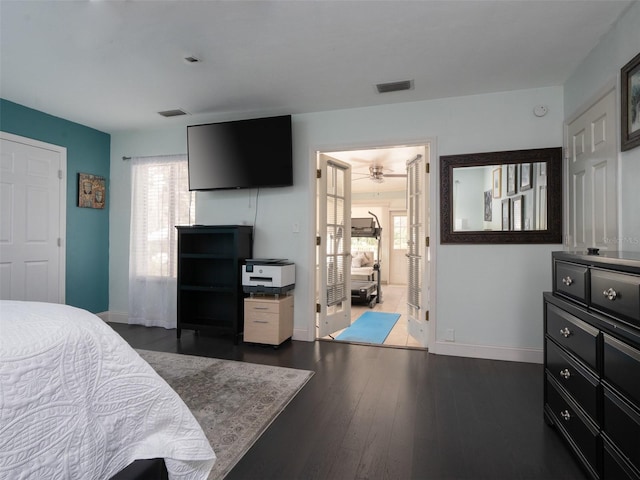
251 153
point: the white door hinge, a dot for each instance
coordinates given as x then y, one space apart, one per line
60 174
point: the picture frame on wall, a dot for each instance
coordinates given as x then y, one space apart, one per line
511 178
525 176
630 108
506 214
488 215
91 191
517 210
497 183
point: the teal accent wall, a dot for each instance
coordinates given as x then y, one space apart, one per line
87 238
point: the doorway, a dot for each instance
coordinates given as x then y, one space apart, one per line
383 188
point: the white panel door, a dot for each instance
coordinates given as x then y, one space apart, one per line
417 253
333 253
32 220
592 177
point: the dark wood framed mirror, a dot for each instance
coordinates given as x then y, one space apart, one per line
501 197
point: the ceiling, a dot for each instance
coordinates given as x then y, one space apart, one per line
112 65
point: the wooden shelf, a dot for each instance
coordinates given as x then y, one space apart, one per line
210 260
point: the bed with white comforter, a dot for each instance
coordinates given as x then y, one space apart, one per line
77 402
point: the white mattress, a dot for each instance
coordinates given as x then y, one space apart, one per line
76 401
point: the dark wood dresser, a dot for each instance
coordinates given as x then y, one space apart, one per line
592 360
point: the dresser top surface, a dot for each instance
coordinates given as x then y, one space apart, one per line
629 261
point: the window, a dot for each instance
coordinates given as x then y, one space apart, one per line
399 232
160 200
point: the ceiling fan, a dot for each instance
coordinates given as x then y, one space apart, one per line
377 173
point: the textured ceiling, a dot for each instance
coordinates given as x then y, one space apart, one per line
113 65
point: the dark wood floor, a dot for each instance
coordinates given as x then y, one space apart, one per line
386 413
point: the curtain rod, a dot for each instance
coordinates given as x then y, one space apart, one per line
125 158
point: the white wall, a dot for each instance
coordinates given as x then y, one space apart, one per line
599 70
490 294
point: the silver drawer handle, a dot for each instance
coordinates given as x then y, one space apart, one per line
565 373
260 321
261 308
567 280
565 332
566 416
610 293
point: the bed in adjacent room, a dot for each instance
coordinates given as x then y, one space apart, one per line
76 401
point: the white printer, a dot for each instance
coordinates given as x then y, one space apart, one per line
268 275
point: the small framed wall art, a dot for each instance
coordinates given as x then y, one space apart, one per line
487 206
517 209
91 191
511 178
525 176
497 182
506 214
630 108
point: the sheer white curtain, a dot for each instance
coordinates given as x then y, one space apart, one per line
160 200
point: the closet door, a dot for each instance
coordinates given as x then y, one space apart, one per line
32 220
592 177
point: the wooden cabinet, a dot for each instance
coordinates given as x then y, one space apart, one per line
210 293
268 320
592 360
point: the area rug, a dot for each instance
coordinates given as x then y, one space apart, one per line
234 402
370 327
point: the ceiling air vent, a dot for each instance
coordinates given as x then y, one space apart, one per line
173 113
394 86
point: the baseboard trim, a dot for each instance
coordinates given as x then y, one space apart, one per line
115 317
301 335
489 352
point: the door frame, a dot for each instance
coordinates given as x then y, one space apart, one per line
62 199
429 291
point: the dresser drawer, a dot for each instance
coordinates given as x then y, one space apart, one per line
571 280
573 334
261 327
260 306
617 294
576 379
615 467
621 367
622 426
578 430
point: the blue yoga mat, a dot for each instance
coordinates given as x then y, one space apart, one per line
370 327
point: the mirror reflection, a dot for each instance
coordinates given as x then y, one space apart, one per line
510 197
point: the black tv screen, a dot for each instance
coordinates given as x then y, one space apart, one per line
240 154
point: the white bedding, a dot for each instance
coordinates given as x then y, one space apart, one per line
77 402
